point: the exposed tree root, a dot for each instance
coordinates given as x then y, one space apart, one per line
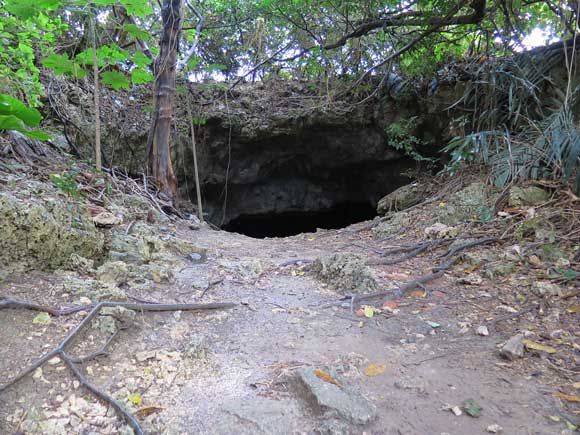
411 251
61 350
449 258
515 315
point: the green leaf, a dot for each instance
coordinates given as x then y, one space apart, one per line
216 67
11 122
111 54
472 408
13 106
105 2
135 398
59 63
136 31
42 319
36 134
139 77
193 63
26 9
369 311
115 79
139 8
140 59
78 72
570 274
85 57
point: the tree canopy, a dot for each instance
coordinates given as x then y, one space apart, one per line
130 43
261 38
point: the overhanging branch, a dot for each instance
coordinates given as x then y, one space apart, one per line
199 27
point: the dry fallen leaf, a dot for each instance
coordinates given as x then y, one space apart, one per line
391 305
574 309
533 345
326 377
148 410
418 294
375 369
567 397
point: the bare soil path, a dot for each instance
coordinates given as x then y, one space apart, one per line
234 372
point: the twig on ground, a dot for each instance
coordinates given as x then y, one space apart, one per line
292 262
209 286
511 316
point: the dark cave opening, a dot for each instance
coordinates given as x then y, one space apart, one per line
292 223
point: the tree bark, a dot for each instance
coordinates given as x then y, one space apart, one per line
158 144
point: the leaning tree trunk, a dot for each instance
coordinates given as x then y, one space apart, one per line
158 150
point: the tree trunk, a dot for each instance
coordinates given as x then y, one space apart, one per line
158 149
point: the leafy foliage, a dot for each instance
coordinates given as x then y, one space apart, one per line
511 128
15 115
518 134
401 138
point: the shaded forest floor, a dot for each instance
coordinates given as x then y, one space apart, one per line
401 364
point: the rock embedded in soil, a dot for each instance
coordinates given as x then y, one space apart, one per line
401 198
513 348
544 288
39 232
345 272
326 397
471 202
527 196
257 415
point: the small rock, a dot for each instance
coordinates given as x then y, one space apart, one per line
456 410
106 219
494 428
470 279
54 361
195 257
257 415
145 355
519 197
401 198
440 231
544 288
513 348
83 300
113 272
326 396
482 330
346 272
535 261
413 384
120 313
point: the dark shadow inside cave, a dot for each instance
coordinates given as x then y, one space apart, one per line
292 223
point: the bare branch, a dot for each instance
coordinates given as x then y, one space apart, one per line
199 27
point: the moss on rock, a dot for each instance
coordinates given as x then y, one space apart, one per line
346 273
402 198
43 233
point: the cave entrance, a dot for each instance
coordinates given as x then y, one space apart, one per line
292 223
